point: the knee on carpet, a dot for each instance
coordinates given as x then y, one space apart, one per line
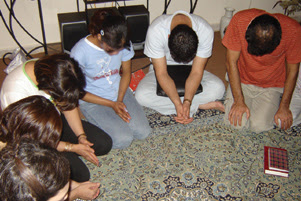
122 142
80 173
219 91
260 126
103 147
141 134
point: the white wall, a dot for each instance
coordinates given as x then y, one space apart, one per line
27 13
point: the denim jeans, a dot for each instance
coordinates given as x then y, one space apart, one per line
121 132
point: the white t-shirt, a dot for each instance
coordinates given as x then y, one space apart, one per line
156 43
17 85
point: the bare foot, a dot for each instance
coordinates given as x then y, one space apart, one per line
213 105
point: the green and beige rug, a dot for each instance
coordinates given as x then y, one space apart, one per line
204 160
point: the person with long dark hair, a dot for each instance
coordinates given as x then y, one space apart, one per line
105 58
33 172
36 118
58 78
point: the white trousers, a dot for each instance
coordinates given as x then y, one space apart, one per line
213 89
295 106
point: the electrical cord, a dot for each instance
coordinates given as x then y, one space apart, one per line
166 4
3 58
192 7
9 26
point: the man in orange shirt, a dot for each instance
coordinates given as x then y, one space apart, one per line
263 56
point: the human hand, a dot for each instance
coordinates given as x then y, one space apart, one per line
236 113
183 112
121 111
86 190
87 152
84 141
284 115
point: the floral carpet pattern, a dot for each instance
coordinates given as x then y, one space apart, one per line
204 160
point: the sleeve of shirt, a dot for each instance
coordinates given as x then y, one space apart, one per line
128 54
13 90
231 38
293 54
78 54
154 47
11 97
205 37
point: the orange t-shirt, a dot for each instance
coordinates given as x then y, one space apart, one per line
267 70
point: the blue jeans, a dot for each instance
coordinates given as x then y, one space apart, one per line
122 133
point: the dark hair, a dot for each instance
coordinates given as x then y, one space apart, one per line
183 43
34 117
263 35
112 27
61 77
32 172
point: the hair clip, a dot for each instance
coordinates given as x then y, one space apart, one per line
102 32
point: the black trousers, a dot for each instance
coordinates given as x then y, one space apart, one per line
102 145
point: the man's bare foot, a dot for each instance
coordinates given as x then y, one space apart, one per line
217 105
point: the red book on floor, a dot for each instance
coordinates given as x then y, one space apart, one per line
275 161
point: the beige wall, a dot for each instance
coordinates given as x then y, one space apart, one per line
27 13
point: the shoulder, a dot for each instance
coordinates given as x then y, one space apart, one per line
79 49
287 22
244 17
251 13
200 25
16 73
79 45
162 22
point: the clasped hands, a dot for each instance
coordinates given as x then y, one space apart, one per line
183 113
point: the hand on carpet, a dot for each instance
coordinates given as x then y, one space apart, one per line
236 113
283 118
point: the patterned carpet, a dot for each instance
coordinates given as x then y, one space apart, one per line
204 160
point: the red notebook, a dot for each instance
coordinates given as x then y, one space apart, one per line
275 161
135 79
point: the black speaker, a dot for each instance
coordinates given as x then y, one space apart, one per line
138 21
73 27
